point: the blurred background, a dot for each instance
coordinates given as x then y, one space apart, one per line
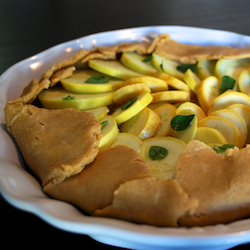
28 27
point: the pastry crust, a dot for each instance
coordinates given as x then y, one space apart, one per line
221 185
150 201
93 188
52 145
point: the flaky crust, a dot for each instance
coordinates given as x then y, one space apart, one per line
221 185
52 145
94 187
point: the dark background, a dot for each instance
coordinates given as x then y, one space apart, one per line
30 26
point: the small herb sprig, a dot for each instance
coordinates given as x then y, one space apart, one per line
184 67
227 82
128 103
222 148
97 79
69 97
181 122
157 152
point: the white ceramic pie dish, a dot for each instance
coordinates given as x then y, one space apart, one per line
23 191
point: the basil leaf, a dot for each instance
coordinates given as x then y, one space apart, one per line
148 59
97 79
104 124
227 82
184 67
69 97
128 103
181 122
222 148
162 68
157 152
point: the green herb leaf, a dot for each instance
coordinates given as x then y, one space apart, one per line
181 122
69 97
157 152
184 67
104 124
227 82
128 103
222 148
148 59
162 68
97 79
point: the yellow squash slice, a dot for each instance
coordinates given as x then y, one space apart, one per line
128 140
196 109
166 113
143 125
228 98
166 65
125 93
173 81
135 61
205 68
109 131
155 84
142 101
192 80
162 168
210 136
172 96
189 133
227 128
244 81
77 83
112 68
237 120
58 98
99 113
231 67
208 90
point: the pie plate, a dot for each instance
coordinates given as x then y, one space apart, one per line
23 191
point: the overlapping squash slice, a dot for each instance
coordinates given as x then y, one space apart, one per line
189 132
59 98
112 68
143 125
161 154
166 113
192 80
109 131
227 128
128 140
132 108
138 63
90 82
155 84
166 65
127 92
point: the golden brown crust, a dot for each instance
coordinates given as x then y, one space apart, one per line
150 201
221 186
93 188
187 53
52 145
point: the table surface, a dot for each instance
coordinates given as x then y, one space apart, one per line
28 27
